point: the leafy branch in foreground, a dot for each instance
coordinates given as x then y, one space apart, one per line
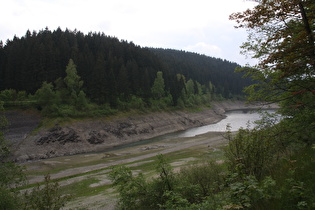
281 37
47 197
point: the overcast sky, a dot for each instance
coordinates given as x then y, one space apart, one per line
201 26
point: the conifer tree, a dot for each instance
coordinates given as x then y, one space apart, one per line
75 95
158 88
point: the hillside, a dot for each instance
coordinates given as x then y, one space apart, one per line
204 69
112 70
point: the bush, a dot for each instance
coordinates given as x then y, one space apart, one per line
192 185
8 199
132 190
254 151
8 95
47 197
196 182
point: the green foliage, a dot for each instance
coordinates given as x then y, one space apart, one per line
73 94
13 98
8 95
281 36
296 175
137 193
158 88
284 43
47 99
196 183
72 80
162 103
188 188
250 193
47 197
66 99
8 199
270 168
166 175
252 152
132 190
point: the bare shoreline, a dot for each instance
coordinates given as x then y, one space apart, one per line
98 135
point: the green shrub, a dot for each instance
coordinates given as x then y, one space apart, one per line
169 190
47 197
196 182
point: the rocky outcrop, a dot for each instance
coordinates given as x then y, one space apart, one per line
58 134
97 135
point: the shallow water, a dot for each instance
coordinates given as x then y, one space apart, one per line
235 119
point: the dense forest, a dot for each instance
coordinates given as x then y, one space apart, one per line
112 70
203 69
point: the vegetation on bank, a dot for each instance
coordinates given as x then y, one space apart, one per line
67 98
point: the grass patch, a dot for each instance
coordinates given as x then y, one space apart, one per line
83 188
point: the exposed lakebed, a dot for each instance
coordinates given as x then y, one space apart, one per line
96 135
235 119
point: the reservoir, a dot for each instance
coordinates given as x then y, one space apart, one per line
235 119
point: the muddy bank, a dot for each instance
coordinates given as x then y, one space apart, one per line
97 135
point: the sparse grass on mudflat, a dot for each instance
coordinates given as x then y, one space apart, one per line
90 177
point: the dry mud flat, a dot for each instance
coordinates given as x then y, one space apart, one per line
97 165
210 141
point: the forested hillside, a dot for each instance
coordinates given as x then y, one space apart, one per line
204 69
112 70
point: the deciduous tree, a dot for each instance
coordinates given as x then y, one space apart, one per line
281 37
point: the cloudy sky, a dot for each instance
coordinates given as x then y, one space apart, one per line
201 26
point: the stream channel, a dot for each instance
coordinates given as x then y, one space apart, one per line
235 119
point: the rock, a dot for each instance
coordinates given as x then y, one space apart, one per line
96 138
59 135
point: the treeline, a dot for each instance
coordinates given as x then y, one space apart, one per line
203 69
113 71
